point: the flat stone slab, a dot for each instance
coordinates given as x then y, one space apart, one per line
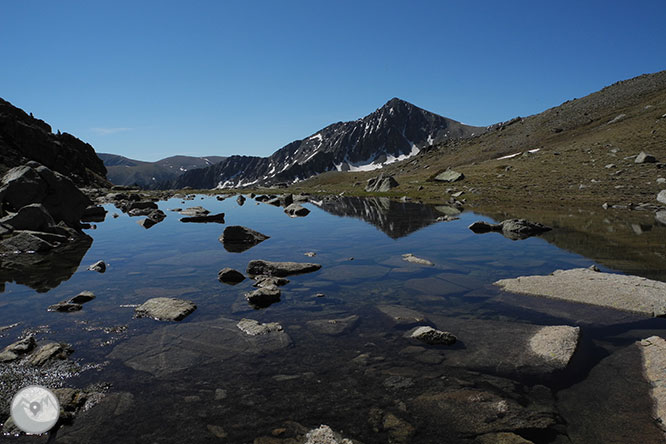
620 292
449 176
177 347
334 327
402 315
280 269
165 309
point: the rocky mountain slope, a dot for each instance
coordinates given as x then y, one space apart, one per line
396 131
24 138
152 175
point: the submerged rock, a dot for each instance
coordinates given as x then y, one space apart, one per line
230 276
165 309
409 257
432 336
620 292
402 315
177 347
280 269
237 239
334 327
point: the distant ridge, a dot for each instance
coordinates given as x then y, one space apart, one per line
396 131
151 175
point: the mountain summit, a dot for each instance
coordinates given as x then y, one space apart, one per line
396 131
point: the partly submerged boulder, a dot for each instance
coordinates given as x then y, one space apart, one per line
236 238
280 269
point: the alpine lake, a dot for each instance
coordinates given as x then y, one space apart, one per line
343 357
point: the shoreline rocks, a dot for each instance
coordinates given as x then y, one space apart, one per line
514 229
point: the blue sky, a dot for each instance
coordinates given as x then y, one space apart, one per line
152 79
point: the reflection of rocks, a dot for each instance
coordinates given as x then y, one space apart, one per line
631 293
514 229
624 408
178 347
396 219
165 309
44 271
280 269
219 218
237 239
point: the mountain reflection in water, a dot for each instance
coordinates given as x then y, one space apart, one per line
396 219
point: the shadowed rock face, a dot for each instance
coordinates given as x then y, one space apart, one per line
396 219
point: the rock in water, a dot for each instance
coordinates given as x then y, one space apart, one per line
98 266
65 307
334 327
83 297
431 336
484 227
241 200
280 269
555 343
620 292
254 328
521 228
165 309
295 210
230 276
18 348
381 183
409 257
645 158
236 238
661 197
449 176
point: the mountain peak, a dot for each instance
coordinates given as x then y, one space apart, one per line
396 102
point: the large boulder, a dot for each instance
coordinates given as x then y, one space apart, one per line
661 197
645 158
33 217
35 183
381 183
449 176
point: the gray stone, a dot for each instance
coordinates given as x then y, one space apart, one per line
521 228
65 307
645 158
280 269
165 309
253 328
264 281
448 210
661 197
381 183
17 349
194 211
295 210
432 336
449 176
620 292
24 242
409 257
555 344
653 351
660 217
230 276
98 266
240 200
236 238
325 435
50 351
334 327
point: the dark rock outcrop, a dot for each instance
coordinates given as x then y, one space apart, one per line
237 239
280 269
24 138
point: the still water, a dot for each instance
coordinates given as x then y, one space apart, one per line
342 359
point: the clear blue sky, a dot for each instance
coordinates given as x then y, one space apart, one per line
149 79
